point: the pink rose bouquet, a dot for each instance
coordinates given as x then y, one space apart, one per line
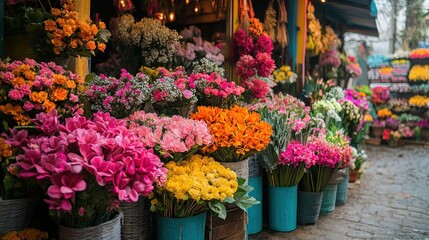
173 138
328 159
293 163
29 88
214 90
88 166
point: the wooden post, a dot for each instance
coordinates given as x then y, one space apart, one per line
81 65
1 27
232 23
301 40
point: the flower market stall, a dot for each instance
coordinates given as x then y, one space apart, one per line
181 119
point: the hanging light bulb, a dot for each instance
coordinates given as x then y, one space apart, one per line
187 2
171 16
160 16
323 1
122 3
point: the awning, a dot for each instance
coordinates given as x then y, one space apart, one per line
356 15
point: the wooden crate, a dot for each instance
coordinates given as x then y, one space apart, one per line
232 228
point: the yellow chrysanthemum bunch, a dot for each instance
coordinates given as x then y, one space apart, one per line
419 73
191 185
284 74
384 113
419 101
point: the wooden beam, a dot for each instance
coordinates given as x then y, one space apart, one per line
232 23
301 40
1 27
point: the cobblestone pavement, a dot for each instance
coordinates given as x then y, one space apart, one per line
391 201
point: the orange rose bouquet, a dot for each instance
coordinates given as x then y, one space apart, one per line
237 133
28 88
67 35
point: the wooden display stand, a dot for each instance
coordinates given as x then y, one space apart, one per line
232 228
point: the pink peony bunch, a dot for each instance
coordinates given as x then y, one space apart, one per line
327 154
330 58
258 87
247 66
90 156
242 42
173 138
297 153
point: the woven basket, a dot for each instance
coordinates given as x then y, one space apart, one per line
110 230
241 168
137 221
15 214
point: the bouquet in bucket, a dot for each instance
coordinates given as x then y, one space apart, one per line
237 133
196 185
171 93
120 97
29 88
87 167
214 90
328 159
173 138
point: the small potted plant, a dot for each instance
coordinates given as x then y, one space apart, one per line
392 123
357 167
377 128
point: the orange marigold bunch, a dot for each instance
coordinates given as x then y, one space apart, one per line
256 28
26 234
237 133
70 36
28 88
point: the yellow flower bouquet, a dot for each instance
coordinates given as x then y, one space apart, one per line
196 185
237 132
384 113
284 75
419 73
419 101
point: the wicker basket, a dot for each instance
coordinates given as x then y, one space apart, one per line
15 214
255 168
241 168
110 230
137 221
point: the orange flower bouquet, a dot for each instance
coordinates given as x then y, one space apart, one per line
28 88
237 133
67 35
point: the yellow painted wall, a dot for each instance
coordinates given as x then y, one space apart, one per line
81 65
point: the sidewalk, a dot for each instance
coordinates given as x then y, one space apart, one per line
391 201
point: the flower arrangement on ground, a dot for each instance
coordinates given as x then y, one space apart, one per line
405 131
196 185
214 90
171 93
120 97
328 158
88 166
351 116
29 88
172 138
155 41
360 158
69 36
237 132
26 234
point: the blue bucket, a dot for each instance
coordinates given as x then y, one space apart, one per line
282 208
342 191
329 199
254 213
309 207
190 228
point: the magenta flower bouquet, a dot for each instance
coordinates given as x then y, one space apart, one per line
214 90
120 97
292 164
173 138
328 158
88 166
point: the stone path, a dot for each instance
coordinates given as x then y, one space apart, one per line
391 201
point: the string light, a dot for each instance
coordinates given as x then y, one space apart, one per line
122 3
187 2
171 16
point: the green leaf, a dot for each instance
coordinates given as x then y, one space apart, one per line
246 202
241 181
229 200
218 209
152 208
89 77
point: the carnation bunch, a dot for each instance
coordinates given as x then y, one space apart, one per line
29 88
248 66
82 162
194 186
69 36
120 97
237 133
258 87
214 90
339 139
173 138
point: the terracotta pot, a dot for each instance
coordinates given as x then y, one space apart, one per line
377 132
353 176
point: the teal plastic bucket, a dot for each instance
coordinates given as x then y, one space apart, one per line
254 213
329 199
342 191
282 208
309 207
191 228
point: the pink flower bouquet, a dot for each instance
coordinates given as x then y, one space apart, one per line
328 158
214 90
293 163
173 138
88 166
